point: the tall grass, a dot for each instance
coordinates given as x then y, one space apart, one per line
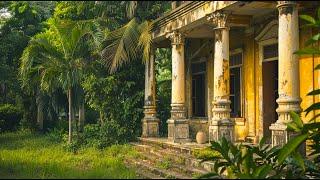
29 155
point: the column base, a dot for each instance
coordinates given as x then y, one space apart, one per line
280 136
222 128
178 130
150 127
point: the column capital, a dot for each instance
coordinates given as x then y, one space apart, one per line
286 3
219 19
286 7
176 37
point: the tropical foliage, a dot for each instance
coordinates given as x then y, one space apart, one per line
64 53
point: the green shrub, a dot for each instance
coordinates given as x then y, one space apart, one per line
205 153
10 117
104 135
56 135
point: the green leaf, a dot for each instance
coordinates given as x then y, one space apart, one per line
313 107
296 119
311 126
307 51
309 25
265 171
317 67
308 18
293 127
208 175
297 156
262 141
314 92
262 171
312 40
291 146
318 13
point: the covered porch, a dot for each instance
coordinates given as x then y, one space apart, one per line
230 76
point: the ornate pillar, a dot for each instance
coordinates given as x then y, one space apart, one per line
221 125
178 124
150 123
289 95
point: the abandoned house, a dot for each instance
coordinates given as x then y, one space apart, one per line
234 71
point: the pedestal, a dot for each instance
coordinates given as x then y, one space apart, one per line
150 123
178 130
150 127
281 136
221 128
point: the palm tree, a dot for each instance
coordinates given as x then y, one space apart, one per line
134 38
58 57
126 44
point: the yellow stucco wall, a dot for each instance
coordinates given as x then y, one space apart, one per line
307 75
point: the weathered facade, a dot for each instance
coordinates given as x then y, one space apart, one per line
234 73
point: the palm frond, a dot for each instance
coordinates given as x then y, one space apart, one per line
145 40
121 46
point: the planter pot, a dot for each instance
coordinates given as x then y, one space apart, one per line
201 137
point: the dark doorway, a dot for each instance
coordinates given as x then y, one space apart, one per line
270 95
198 95
198 89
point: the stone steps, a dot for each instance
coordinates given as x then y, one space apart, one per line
177 157
154 172
141 172
156 162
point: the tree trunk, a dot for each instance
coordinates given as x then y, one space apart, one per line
81 116
101 117
39 102
40 117
70 115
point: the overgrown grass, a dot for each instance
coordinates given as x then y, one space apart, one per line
29 155
205 153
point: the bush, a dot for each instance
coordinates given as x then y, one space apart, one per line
205 153
98 136
104 135
56 135
75 144
10 117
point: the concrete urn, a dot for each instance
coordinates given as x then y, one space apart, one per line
201 137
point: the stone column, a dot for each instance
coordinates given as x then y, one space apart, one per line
221 125
178 124
289 95
150 123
